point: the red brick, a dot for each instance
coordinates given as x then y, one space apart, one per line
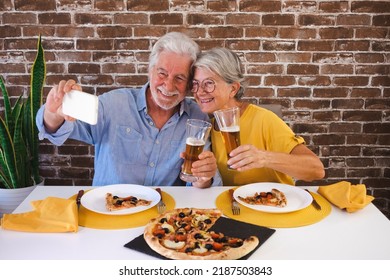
334 58
37 5
134 44
326 116
109 5
370 32
260 6
347 103
44 31
294 92
354 19
381 20
259 92
219 5
6 5
315 45
377 103
299 6
146 31
297 33
376 128
166 19
311 104
94 44
278 45
81 18
381 47
315 20
99 79
205 19
75 32
226 32
329 139
118 68
301 128
17 18
278 19
352 45
84 68
370 7
54 18
142 5
360 162
279 80
314 81
365 92
302 69
381 81
351 81
131 80
114 32
294 57
369 57
330 92
267 32
242 19
264 69
334 6
337 69
363 139
336 33
243 45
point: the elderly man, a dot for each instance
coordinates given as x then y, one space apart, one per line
140 132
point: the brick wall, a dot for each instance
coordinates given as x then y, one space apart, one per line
326 62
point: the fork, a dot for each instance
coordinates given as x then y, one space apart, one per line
235 206
161 207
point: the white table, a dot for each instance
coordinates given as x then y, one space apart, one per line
363 235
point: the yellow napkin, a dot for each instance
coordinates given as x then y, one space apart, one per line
346 196
52 214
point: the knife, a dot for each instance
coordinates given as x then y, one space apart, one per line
78 198
314 202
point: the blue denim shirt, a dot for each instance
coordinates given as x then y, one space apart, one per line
129 149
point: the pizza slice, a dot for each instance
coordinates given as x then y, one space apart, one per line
185 234
273 198
114 202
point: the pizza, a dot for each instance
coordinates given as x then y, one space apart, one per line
185 234
273 198
114 202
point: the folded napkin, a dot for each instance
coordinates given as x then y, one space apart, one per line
346 196
52 214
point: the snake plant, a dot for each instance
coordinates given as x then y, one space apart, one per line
19 162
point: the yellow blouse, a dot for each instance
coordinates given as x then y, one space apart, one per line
266 131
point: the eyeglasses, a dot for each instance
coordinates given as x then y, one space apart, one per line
208 86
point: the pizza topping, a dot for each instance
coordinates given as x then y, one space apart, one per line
185 233
273 198
114 202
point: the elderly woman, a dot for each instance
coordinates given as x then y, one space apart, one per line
269 151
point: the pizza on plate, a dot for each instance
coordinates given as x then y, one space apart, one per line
184 234
114 202
273 198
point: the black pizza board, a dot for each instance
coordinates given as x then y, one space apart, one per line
227 226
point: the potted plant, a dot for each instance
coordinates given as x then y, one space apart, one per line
19 143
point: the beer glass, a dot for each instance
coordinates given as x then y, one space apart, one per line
197 132
229 124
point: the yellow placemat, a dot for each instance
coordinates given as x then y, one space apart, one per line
90 219
304 217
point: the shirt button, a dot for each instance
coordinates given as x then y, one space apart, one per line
157 142
128 130
151 123
151 164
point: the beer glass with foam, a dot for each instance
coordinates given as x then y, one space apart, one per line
228 121
197 132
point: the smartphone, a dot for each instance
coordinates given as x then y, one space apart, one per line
81 105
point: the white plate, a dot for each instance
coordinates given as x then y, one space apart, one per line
95 200
297 198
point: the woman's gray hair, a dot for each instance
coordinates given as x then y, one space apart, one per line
225 64
175 42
